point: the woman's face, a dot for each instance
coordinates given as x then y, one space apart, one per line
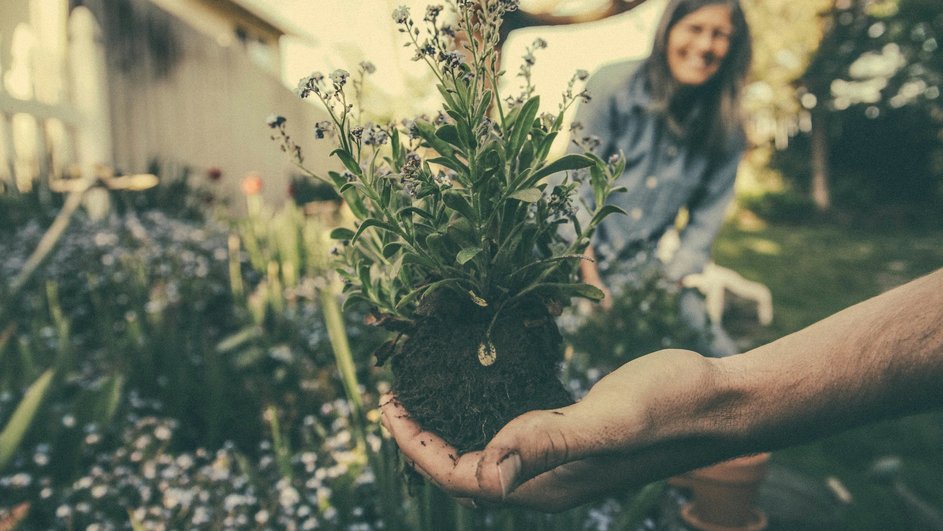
698 43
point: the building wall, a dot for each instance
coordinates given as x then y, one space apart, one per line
167 93
185 101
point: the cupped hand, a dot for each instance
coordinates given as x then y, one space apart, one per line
552 460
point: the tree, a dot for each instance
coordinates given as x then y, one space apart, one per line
561 12
878 60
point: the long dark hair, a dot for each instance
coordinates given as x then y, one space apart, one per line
719 99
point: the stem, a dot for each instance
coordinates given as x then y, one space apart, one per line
334 322
47 243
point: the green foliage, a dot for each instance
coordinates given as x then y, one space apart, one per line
893 163
780 207
457 202
22 417
644 318
875 83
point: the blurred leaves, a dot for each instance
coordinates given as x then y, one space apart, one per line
22 418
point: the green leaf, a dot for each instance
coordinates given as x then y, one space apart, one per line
446 95
427 133
449 133
337 178
572 161
407 211
354 297
108 401
373 222
394 144
427 289
451 163
545 262
355 203
458 203
568 290
391 248
363 274
438 245
545 145
467 254
527 195
418 259
597 179
23 416
426 190
342 233
605 211
395 267
483 106
348 161
524 123
386 192
526 157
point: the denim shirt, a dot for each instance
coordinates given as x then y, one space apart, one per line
662 175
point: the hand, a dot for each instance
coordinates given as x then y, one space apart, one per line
557 459
590 275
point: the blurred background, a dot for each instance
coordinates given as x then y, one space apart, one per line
173 354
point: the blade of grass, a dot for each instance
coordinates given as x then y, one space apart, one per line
22 418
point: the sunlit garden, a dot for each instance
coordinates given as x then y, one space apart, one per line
186 345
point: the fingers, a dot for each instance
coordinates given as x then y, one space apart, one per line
528 446
429 454
534 461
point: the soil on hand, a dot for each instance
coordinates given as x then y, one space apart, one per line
439 379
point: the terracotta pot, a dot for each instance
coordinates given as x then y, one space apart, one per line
723 494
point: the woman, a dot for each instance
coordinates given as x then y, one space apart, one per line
675 117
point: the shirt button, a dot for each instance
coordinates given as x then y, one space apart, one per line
651 182
671 151
636 213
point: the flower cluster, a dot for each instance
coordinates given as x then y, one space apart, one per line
206 489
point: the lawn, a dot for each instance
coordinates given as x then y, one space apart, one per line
813 271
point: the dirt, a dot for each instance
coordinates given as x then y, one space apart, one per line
439 379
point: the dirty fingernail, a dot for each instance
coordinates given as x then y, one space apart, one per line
508 470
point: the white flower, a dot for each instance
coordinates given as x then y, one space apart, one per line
339 77
401 14
288 497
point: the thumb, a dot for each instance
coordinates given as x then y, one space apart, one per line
528 446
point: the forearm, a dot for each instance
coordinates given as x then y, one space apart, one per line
880 358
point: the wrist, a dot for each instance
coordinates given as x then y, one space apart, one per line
709 417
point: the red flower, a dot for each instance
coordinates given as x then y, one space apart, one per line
252 184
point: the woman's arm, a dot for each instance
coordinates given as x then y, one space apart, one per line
705 219
673 411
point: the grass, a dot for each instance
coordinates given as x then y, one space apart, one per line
814 271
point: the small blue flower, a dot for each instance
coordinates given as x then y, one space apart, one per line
275 120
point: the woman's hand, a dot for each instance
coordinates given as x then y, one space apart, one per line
590 275
557 459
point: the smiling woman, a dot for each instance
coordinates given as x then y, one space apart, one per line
698 44
675 117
